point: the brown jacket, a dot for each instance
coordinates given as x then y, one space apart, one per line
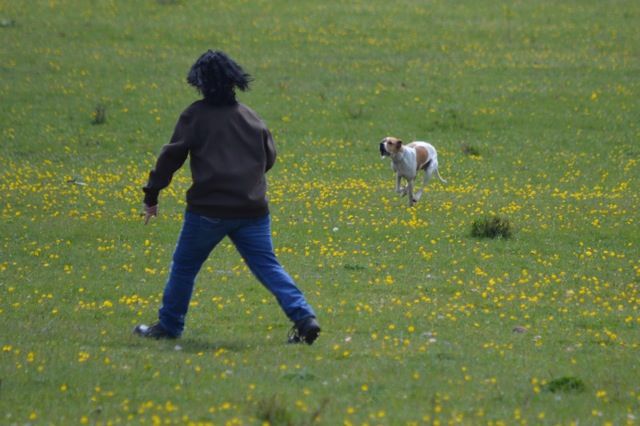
230 150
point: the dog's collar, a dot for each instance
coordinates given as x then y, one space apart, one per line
398 154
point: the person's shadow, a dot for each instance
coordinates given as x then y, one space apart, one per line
194 345
187 345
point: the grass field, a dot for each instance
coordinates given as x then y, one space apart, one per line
534 109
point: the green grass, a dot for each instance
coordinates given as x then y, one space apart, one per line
534 109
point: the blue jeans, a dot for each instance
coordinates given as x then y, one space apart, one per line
252 238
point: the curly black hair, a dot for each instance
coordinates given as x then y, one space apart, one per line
216 76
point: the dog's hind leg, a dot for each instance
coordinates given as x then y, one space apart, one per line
428 173
425 179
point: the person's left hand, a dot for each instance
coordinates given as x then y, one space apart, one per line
149 212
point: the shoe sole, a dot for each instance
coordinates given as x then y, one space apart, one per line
311 335
143 331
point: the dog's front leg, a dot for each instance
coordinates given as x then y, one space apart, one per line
410 192
398 189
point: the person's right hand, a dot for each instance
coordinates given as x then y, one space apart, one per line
149 212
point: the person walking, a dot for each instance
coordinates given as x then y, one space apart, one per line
230 150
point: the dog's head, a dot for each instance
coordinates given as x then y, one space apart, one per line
390 146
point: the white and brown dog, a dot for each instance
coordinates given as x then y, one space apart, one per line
407 161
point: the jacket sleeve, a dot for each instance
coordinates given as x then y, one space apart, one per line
172 157
270 149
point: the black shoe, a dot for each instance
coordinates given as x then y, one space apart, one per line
305 331
156 331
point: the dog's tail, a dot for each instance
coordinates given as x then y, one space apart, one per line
440 177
